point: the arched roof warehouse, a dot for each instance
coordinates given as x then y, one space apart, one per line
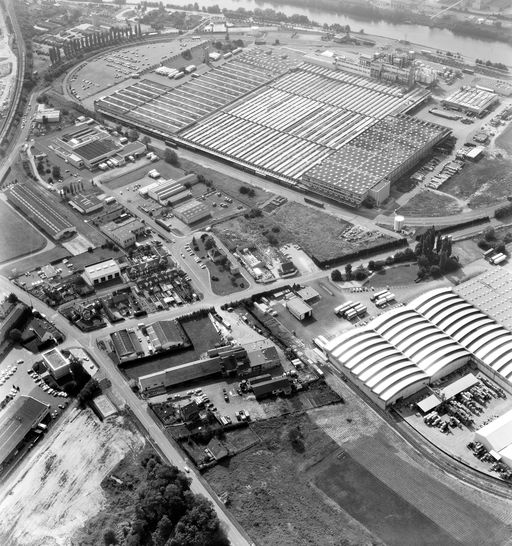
482 336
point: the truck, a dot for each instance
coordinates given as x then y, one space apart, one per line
340 310
227 55
261 307
190 68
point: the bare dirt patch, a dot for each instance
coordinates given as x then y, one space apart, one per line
57 489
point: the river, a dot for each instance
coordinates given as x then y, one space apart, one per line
431 38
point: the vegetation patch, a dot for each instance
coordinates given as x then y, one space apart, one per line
321 235
150 502
429 203
488 182
269 487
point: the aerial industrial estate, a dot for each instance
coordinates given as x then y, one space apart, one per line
255 281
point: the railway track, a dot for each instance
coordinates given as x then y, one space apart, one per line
433 454
20 44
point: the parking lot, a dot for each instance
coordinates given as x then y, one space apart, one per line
214 392
455 439
116 67
14 373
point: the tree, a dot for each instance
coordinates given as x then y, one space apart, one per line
171 157
88 392
145 140
435 271
133 135
490 234
443 261
15 335
371 265
109 537
348 271
163 531
209 244
200 525
56 171
336 275
12 298
501 248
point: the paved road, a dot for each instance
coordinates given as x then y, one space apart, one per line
236 534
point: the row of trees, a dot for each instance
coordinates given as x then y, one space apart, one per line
499 66
434 253
75 47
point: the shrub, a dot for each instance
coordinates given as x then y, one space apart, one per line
483 244
336 275
490 234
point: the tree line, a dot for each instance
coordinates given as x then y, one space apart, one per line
75 47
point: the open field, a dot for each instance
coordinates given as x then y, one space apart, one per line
429 203
394 276
270 491
57 488
485 183
18 236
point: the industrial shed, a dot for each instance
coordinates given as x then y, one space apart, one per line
39 211
16 421
497 436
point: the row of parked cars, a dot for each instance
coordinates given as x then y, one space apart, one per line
46 388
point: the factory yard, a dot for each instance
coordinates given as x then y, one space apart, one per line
58 487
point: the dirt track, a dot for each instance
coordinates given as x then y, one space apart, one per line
57 488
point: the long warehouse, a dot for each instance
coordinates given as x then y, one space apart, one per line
39 211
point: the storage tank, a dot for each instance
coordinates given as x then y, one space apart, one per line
398 223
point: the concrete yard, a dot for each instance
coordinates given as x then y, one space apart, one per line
57 488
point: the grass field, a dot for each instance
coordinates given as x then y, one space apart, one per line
18 236
488 182
270 491
394 276
429 203
318 233
377 506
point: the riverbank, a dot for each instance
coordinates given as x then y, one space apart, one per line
299 12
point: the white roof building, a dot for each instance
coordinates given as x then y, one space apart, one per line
497 436
101 272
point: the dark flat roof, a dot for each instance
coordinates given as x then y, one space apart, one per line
96 149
